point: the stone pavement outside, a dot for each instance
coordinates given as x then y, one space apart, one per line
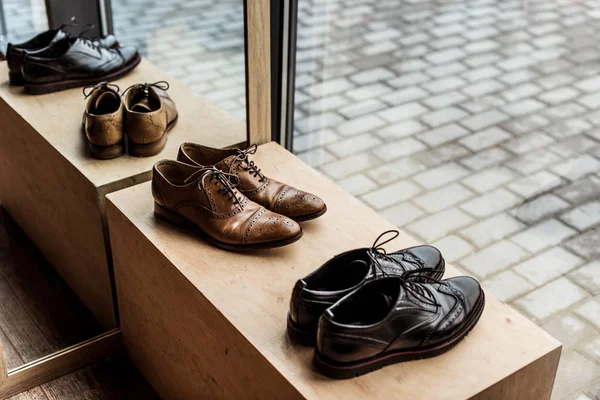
472 125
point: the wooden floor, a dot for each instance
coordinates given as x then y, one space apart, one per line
39 315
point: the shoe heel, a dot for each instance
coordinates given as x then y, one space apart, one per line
300 336
148 150
107 152
169 216
15 79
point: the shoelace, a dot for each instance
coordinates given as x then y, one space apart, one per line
376 251
223 178
88 90
249 165
417 289
163 85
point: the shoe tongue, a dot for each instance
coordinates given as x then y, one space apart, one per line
107 97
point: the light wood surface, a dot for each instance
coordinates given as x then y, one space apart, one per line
200 322
55 191
57 119
258 70
60 363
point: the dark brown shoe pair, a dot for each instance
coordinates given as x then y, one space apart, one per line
144 115
225 197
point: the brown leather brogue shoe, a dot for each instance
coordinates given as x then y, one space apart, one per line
149 115
205 200
103 121
276 196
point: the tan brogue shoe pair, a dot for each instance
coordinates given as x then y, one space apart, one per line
225 197
144 115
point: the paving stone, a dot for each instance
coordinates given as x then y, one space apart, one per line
586 245
569 329
581 191
357 184
556 80
483 88
588 85
368 91
314 140
408 80
439 71
484 120
372 75
528 142
519 76
361 108
558 95
534 161
522 107
439 176
575 372
591 101
316 157
489 179
362 124
491 229
516 62
349 165
539 208
444 100
485 158
521 92
401 129
317 122
442 198
444 84
485 138
577 167
391 194
584 216
590 311
543 235
491 203
507 285
403 112
588 277
453 247
440 154
402 214
398 169
355 144
567 128
494 258
406 95
481 104
485 72
329 87
548 265
443 116
525 124
436 226
544 302
444 56
399 148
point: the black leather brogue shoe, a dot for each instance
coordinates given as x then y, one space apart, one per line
348 271
391 320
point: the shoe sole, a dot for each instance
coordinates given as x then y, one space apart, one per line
308 217
154 148
32 88
173 218
309 337
107 152
351 370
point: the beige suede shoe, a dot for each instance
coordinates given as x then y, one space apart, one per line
149 115
103 121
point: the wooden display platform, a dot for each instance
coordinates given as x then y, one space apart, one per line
200 322
55 191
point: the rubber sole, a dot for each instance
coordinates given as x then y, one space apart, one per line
151 149
15 79
308 217
43 88
169 216
309 337
107 152
351 370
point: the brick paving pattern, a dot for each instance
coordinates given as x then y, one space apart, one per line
472 125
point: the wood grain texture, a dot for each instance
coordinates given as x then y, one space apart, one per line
60 363
39 314
57 119
258 70
193 313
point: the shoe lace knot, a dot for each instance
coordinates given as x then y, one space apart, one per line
249 165
226 182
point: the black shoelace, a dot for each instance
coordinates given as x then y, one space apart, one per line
249 165
417 288
222 178
88 90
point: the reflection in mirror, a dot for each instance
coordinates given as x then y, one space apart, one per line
199 42
39 314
